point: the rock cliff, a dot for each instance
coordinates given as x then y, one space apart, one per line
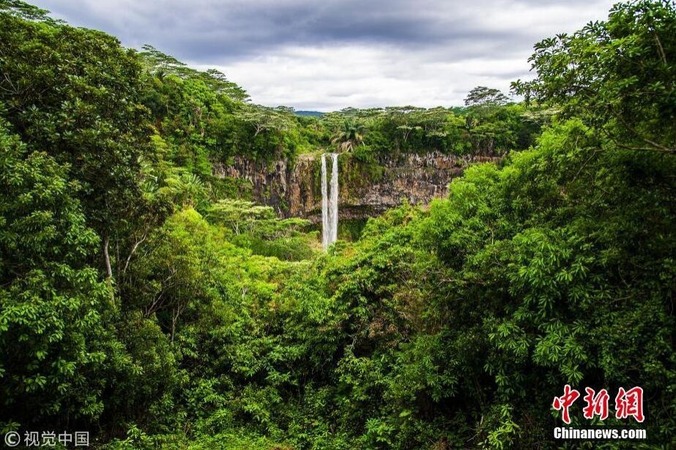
366 189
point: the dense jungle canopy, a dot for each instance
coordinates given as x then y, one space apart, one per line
155 305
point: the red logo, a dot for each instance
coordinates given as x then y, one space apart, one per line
597 405
565 401
628 403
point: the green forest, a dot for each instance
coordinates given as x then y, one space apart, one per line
155 305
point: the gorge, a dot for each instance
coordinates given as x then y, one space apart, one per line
294 188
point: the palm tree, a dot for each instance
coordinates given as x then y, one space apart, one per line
348 136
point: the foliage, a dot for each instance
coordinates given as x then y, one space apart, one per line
480 129
258 229
616 75
25 11
57 345
145 300
83 111
483 96
349 136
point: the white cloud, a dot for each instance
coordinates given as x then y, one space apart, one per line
329 78
337 53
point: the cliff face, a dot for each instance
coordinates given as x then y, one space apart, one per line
366 189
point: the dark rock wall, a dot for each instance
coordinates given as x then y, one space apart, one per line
366 189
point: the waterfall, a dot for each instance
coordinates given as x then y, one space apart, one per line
325 206
333 203
330 202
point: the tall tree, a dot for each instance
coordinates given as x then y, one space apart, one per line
618 75
75 93
56 345
348 136
483 96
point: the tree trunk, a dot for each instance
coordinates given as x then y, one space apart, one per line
109 269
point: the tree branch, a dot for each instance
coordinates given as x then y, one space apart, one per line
660 49
133 250
106 255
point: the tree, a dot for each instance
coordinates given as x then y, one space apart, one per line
55 346
258 228
23 10
160 64
483 96
491 122
618 75
265 120
350 135
75 94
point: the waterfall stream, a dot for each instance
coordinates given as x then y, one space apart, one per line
330 202
325 206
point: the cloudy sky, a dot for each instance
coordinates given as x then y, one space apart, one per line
330 54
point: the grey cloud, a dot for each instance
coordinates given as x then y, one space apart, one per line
203 30
414 36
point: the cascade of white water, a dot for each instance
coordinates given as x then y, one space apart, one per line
329 202
325 206
333 203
